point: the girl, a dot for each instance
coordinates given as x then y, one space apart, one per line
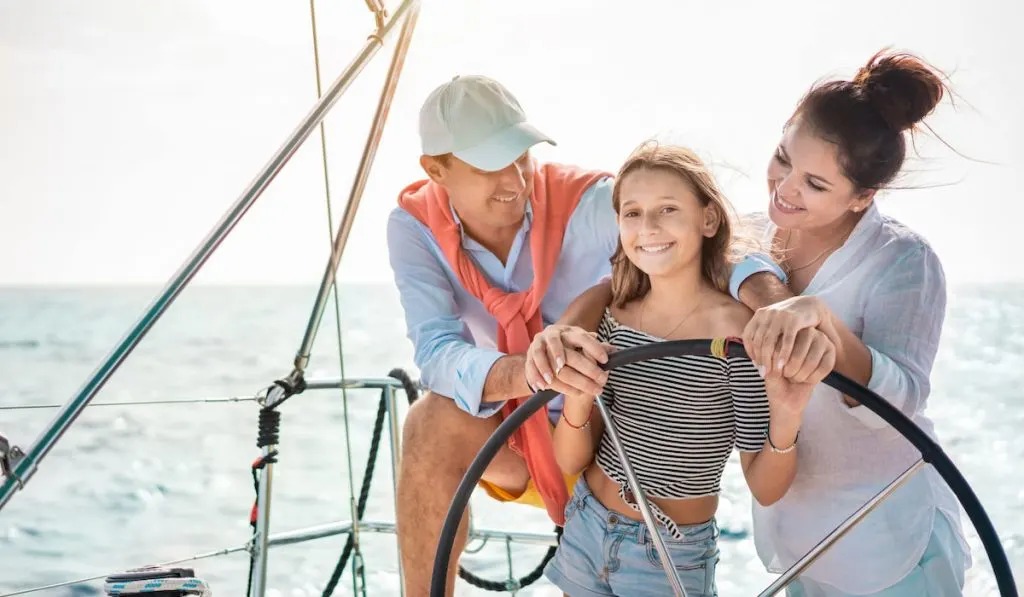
878 290
679 418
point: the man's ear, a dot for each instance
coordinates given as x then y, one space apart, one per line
433 167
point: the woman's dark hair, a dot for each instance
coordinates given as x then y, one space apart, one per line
866 117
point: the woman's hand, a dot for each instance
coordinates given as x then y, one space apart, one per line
789 389
565 359
770 336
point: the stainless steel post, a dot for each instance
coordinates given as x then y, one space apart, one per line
396 456
259 572
810 557
645 509
27 465
260 539
358 186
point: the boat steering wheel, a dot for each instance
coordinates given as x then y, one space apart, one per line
931 453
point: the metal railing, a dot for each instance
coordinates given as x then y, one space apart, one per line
19 466
24 464
410 12
389 386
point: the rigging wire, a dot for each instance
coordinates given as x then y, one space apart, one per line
141 402
357 560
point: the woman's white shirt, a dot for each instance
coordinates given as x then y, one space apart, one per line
887 285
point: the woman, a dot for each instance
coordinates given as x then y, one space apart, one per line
877 289
679 417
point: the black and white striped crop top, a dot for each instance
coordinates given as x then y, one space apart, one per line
679 419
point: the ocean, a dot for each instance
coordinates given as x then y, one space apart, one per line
131 485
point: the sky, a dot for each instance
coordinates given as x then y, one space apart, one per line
128 128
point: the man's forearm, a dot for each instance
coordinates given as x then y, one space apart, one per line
506 379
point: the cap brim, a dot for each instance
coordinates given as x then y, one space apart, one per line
503 148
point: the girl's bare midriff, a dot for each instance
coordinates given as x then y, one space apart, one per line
681 511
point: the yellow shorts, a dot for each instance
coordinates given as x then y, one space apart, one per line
530 496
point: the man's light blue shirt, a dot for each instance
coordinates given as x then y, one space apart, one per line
453 335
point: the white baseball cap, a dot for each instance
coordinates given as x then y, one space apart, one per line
478 121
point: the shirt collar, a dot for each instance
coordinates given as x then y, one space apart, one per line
469 243
869 224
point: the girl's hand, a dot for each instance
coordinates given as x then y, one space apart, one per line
565 359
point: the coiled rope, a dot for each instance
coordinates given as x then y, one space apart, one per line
412 393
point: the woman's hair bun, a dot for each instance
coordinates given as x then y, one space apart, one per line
902 87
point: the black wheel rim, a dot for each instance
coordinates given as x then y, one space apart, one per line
931 453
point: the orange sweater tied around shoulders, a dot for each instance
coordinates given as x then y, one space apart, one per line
556 191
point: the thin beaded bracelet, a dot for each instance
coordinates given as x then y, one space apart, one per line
767 431
585 423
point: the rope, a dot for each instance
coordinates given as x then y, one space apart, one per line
412 393
268 428
267 435
177 586
720 346
364 494
79 581
155 580
358 509
510 584
359 573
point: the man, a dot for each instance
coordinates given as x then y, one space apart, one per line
484 253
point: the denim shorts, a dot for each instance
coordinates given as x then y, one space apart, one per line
603 553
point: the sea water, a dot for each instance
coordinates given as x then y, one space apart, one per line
131 485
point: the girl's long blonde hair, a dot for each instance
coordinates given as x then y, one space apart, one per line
718 252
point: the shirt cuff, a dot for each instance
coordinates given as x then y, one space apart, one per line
470 376
752 264
881 370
